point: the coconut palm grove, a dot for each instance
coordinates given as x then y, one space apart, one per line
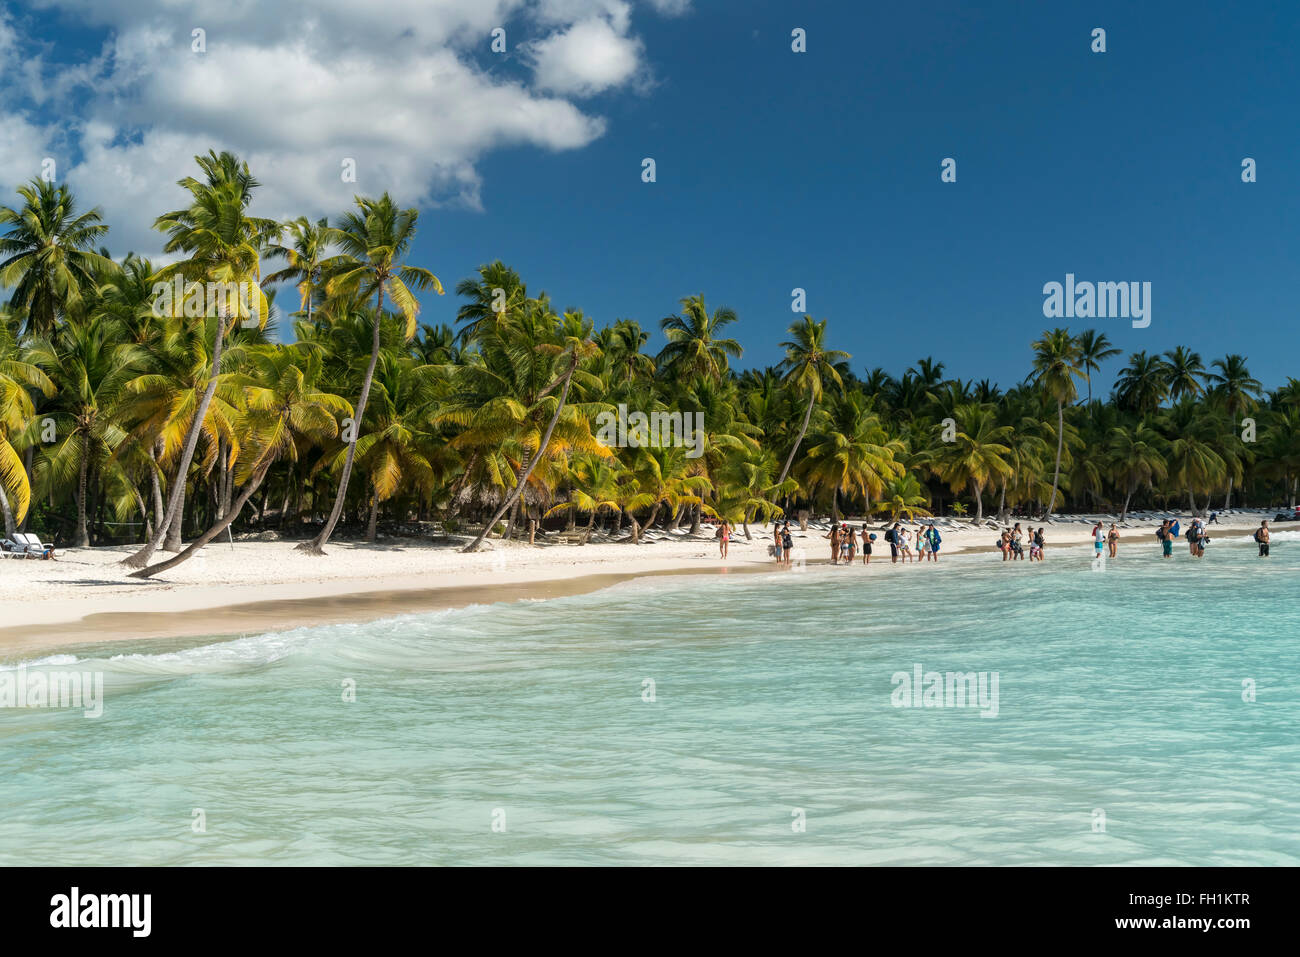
129 419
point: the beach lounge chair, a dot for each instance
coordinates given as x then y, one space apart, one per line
12 549
35 547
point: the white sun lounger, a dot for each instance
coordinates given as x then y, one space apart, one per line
33 544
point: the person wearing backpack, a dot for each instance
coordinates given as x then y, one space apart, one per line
891 536
1261 539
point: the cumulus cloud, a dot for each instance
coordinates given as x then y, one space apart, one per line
587 58
406 89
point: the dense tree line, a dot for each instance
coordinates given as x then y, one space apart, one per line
123 421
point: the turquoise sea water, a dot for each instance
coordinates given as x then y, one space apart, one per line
1119 692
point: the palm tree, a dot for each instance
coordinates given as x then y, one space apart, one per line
693 345
283 405
1056 366
1194 460
1238 390
1137 458
903 496
853 454
1094 349
90 366
808 367
1234 384
397 449
372 239
305 258
49 261
1183 373
1143 384
497 294
222 243
548 351
976 456
595 490
18 376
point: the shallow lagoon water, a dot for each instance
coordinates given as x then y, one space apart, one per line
1120 694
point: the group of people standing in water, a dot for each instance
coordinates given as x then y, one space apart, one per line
847 542
1011 543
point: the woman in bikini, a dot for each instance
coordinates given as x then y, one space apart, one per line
1112 539
848 543
778 543
904 545
834 536
724 537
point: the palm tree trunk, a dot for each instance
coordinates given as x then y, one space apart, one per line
676 521
1227 500
155 489
509 533
236 507
29 455
1127 498
977 492
82 538
591 523
372 525
533 460
144 510
222 453
789 459
10 528
176 495
1060 447
317 545
695 519
1191 497
175 531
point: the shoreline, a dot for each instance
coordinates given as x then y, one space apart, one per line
85 598
299 611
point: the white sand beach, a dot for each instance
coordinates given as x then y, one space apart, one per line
250 585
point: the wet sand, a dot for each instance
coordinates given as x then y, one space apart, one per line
281 614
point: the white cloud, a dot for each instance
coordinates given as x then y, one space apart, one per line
589 57
406 88
671 8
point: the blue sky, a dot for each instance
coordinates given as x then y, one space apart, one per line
818 170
